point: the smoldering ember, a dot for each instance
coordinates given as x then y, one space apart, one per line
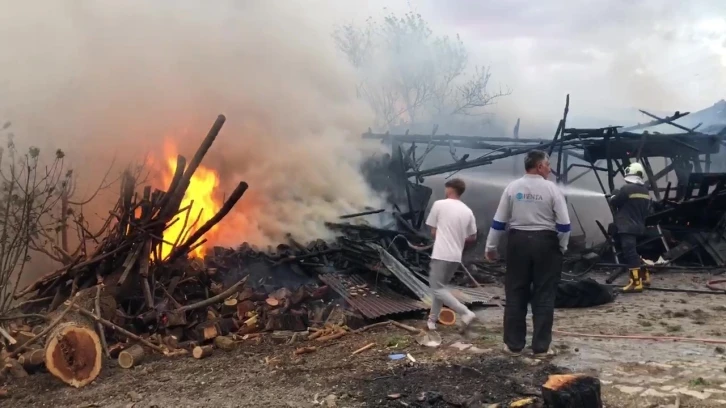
352 309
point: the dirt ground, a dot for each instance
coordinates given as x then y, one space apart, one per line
634 373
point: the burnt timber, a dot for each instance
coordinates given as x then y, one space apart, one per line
688 213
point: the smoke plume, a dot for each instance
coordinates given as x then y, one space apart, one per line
107 78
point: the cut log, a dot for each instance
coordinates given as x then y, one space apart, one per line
73 352
447 317
208 331
32 359
229 307
200 352
131 357
572 390
338 334
225 343
304 350
364 348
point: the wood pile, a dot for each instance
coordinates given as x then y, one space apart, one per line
124 291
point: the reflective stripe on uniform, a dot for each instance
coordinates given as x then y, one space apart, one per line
639 195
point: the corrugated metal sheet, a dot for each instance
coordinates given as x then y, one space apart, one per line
384 302
464 295
470 296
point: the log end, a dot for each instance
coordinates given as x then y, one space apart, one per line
73 354
200 352
447 317
131 356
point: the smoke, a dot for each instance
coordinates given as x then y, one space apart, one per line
108 79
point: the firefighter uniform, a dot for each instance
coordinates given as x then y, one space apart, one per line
632 205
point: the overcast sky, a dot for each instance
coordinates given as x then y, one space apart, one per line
608 54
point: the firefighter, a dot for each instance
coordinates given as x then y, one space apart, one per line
631 205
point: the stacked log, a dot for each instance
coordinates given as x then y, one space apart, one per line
127 267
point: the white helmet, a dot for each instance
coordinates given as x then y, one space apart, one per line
635 169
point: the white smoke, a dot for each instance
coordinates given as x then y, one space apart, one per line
106 78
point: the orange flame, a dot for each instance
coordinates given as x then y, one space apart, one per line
202 198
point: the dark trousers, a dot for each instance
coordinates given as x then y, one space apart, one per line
534 267
628 246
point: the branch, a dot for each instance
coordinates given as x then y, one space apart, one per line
101 186
473 94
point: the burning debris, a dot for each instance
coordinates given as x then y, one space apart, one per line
145 289
135 279
152 287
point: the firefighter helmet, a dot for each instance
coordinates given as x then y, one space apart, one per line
635 169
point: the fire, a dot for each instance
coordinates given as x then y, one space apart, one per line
201 195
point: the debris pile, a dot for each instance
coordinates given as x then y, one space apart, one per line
137 292
688 223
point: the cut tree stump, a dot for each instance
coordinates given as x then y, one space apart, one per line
572 391
131 356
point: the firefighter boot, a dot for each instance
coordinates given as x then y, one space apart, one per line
645 275
635 285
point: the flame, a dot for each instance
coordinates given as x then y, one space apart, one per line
201 195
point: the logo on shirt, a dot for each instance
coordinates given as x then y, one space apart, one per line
528 197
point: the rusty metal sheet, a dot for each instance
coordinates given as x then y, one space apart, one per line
383 303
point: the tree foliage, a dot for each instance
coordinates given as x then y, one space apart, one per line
408 74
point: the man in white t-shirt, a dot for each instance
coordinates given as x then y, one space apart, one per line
452 225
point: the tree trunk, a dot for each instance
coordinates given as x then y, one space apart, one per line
73 350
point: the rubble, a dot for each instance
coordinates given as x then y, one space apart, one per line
688 224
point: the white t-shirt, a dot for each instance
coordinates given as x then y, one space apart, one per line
454 222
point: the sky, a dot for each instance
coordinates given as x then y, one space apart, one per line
610 55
